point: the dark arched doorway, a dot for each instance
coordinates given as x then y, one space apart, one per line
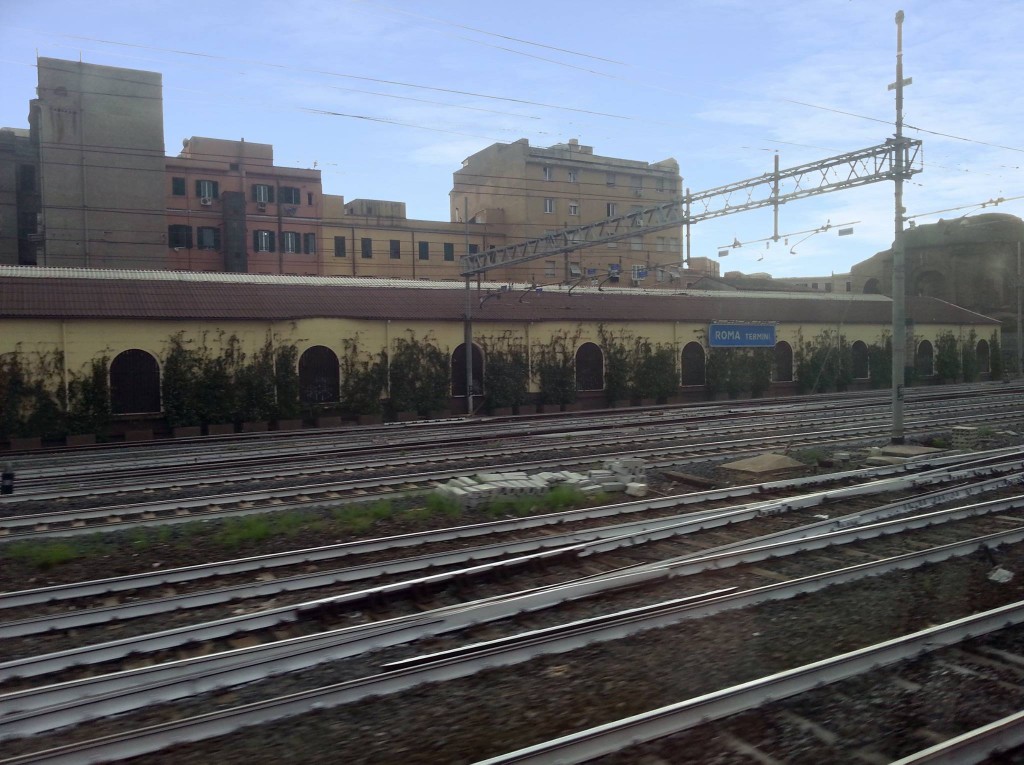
694 363
459 371
319 376
589 367
134 383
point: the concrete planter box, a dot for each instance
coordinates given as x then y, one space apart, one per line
328 421
138 435
289 425
187 431
81 439
255 426
370 419
24 444
220 429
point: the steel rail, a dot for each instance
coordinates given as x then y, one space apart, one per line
488 655
37 525
613 737
339 643
974 746
214 474
620 534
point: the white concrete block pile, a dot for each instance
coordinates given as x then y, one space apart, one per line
628 475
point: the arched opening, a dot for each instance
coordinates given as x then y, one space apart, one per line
859 357
782 362
319 376
134 383
984 357
459 371
924 359
589 367
694 364
872 287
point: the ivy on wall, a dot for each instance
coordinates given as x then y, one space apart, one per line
364 377
554 366
506 372
419 376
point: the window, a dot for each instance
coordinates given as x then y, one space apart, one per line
207 189
549 269
659 184
179 236
208 237
659 244
474 249
572 176
309 197
574 208
366 247
263 241
309 244
339 247
395 249
849 286
262 192
424 250
574 270
609 210
636 243
178 187
549 205
547 172
610 179
289 241
27 178
449 251
637 181
290 195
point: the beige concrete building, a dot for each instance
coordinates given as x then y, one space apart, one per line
99 133
525 191
374 238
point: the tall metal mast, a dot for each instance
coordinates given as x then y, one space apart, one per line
899 290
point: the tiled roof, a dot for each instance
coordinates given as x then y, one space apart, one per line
87 294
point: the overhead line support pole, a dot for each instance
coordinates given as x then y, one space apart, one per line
899 290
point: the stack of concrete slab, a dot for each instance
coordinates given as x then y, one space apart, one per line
627 475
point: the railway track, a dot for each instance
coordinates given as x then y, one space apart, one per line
646 571
391 451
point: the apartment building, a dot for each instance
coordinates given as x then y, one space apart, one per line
526 191
374 238
229 208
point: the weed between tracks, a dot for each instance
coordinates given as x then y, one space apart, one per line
112 554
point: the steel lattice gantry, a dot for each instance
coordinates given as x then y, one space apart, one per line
845 171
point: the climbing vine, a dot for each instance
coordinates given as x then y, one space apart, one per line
506 372
419 376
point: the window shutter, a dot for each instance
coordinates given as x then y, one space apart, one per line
199 188
270 194
188 237
255 241
255 196
216 190
216 239
272 243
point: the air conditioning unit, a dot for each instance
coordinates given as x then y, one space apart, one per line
261 206
206 201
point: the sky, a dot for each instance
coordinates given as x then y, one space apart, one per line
388 98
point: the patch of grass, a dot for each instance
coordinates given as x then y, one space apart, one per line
563 497
44 555
362 517
439 504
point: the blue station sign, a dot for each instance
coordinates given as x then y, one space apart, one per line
741 335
